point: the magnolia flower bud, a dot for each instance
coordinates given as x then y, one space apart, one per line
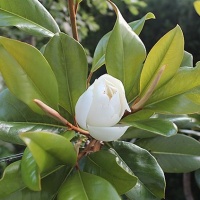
101 107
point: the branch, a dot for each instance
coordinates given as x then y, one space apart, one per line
72 14
53 113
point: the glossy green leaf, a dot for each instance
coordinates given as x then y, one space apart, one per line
168 52
125 54
157 126
187 60
11 180
30 172
197 6
197 177
9 131
112 168
68 61
143 165
24 75
180 90
29 16
14 110
140 191
46 151
12 188
176 154
99 54
84 186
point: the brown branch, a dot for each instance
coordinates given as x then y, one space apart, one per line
53 113
72 14
187 186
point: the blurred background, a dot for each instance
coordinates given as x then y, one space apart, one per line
94 19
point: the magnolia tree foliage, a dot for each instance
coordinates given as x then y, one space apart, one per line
102 140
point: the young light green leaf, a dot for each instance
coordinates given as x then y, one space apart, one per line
187 60
99 163
84 186
125 54
168 52
174 153
49 154
68 61
146 169
197 6
29 16
23 68
181 93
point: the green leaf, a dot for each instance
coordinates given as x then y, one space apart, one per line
180 91
157 126
68 61
27 78
126 61
168 52
143 165
14 110
12 187
187 60
99 54
30 171
176 154
138 25
84 186
11 180
49 154
197 6
29 16
9 131
112 168
140 191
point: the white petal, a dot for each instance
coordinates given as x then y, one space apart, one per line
83 106
107 133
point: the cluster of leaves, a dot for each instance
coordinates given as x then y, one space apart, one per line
55 163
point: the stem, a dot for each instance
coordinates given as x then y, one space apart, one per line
53 113
187 186
89 79
72 14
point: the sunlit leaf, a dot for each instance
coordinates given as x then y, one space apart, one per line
29 16
125 54
68 61
176 154
84 186
23 68
168 52
197 6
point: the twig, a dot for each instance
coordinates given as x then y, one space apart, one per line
72 14
53 113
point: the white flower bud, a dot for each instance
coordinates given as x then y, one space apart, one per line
101 107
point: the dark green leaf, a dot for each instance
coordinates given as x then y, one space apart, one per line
176 154
84 186
157 126
125 54
29 16
27 78
197 177
112 168
68 61
9 131
143 165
